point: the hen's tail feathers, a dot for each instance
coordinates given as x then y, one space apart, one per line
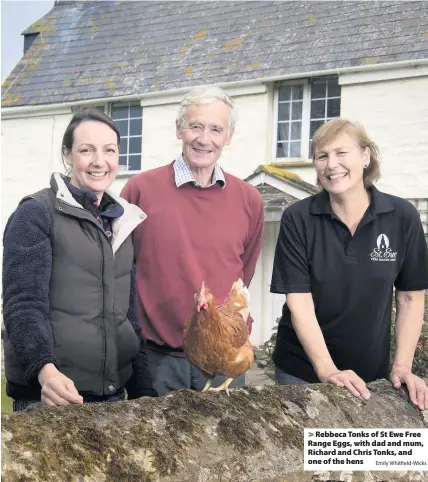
246 294
237 285
241 289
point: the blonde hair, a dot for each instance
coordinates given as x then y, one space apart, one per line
205 95
331 129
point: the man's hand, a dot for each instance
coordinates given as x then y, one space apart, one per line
348 379
418 390
57 389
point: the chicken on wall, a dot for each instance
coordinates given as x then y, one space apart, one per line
216 338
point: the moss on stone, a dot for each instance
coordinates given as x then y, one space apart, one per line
188 435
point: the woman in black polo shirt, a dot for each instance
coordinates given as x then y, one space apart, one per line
338 256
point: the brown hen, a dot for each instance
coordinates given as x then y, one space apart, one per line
216 337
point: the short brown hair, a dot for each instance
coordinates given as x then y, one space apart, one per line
331 129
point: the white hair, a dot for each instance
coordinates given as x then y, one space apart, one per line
205 95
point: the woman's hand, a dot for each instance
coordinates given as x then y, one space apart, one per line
417 388
57 389
348 379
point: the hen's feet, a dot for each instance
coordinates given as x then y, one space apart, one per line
224 386
207 385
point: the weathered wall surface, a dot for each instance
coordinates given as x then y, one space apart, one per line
395 115
255 434
31 151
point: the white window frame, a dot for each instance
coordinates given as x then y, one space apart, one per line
128 104
306 107
306 121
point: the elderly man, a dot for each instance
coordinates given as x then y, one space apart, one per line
203 224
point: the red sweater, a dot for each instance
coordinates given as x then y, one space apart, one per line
190 235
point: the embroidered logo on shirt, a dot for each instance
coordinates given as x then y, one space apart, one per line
383 252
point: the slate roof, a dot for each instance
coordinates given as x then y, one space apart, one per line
276 201
90 50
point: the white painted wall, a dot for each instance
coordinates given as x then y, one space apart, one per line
395 115
306 173
30 152
265 307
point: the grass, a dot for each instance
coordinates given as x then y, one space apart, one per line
6 402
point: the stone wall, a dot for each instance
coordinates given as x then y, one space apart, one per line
256 434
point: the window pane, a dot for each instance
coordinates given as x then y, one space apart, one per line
283 129
285 92
122 162
119 112
333 107
135 111
282 149
318 89
296 130
284 111
134 145
296 110
318 109
136 127
294 149
123 149
297 92
314 126
135 163
123 127
333 88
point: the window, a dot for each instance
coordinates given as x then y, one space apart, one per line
129 121
301 108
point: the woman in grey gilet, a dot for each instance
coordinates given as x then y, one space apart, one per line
71 328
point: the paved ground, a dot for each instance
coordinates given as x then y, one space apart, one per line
256 376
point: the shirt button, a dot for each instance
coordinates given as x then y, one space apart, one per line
111 388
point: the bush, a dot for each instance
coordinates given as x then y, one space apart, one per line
420 361
264 353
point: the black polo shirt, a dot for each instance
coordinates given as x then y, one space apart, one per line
350 277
